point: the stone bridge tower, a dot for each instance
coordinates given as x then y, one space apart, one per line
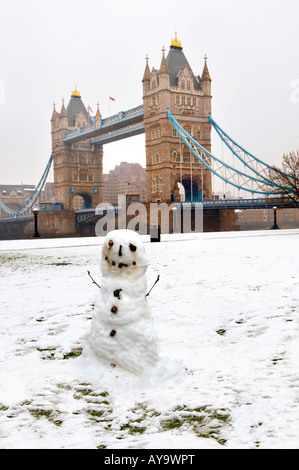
188 98
78 169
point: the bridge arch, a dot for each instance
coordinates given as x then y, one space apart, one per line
193 192
82 200
191 188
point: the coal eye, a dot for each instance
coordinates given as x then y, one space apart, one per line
110 243
132 247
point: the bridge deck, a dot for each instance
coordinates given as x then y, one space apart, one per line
121 125
232 204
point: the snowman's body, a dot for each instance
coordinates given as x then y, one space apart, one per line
122 332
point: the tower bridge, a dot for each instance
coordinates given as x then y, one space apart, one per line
175 117
78 139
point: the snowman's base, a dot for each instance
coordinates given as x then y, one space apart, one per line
91 368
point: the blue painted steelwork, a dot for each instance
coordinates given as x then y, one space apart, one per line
258 203
97 128
87 214
6 209
242 204
33 198
222 166
221 131
261 166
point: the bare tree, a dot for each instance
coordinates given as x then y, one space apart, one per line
286 178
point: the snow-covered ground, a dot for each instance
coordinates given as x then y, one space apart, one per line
226 307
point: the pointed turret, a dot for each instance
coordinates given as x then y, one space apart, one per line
146 77
63 113
63 121
205 84
98 115
54 114
206 79
147 73
163 66
54 117
205 73
164 80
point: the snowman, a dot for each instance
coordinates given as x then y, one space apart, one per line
122 333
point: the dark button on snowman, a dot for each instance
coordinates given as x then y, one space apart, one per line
122 333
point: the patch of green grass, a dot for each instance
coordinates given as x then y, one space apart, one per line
3 407
47 353
98 407
73 354
205 422
50 415
221 331
61 263
133 429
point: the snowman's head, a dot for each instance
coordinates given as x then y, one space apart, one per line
123 254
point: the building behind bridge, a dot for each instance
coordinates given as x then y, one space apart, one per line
125 179
15 196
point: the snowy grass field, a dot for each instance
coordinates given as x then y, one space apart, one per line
226 306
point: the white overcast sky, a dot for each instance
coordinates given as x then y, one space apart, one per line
48 47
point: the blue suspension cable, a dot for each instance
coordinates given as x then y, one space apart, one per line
184 135
222 133
33 198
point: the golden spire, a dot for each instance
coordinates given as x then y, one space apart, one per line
76 92
175 42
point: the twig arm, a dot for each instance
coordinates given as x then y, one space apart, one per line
153 285
93 280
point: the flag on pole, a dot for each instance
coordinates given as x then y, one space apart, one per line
112 99
90 109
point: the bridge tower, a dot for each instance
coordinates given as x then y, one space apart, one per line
188 98
78 168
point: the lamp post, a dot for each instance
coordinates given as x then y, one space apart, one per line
275 226
35 212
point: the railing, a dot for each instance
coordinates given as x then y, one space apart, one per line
257 203
16 218
86 214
